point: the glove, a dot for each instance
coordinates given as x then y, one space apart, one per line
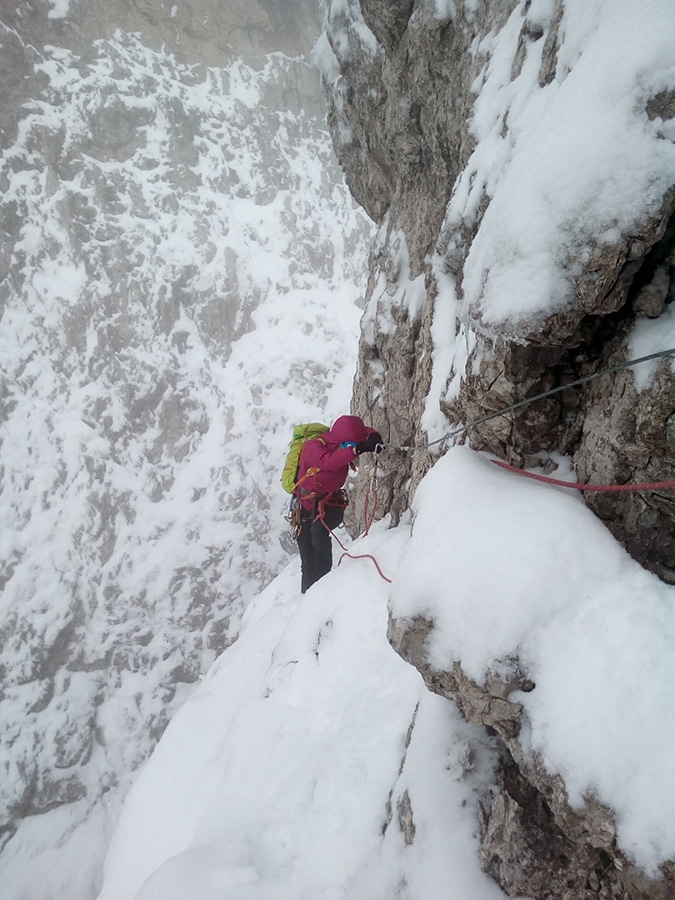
372 444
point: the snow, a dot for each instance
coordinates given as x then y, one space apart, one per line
446 9
506 569
273 780
567 166
309 711
394 296
651 336
447 356
344 21
65 868
59 9
325 60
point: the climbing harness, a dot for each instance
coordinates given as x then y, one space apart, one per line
455 432
294 517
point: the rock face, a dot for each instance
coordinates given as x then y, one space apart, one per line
169 194
534 842
402 94
427 110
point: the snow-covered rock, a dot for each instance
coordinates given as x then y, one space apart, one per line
519 158
181 272
312 762
515 602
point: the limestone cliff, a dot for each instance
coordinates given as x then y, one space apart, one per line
168 195
522 245
404 92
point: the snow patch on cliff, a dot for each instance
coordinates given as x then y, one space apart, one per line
567 166
647 337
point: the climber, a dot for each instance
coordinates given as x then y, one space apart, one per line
324 466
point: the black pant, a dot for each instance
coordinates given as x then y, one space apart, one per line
315 544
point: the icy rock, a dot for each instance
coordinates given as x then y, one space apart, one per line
522 163
534 842
169 197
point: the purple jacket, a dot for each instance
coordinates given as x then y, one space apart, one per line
333 461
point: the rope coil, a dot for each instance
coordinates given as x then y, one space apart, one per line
369 518
354 555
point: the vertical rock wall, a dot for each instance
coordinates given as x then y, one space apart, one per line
403 86
470 310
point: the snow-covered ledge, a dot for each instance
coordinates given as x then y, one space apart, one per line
513 601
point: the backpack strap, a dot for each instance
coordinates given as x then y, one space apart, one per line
310 473
313 470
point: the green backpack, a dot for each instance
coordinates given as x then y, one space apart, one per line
301 433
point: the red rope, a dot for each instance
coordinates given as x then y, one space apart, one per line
646 486
352 555
362 556
369 519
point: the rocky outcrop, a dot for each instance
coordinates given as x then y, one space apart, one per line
421 121
402 95
534 842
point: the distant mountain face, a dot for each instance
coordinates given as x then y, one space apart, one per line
181 267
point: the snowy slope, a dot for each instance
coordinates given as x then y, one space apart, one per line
178 246
132 551
293 768
287 773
